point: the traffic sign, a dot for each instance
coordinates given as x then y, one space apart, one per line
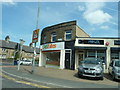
35 36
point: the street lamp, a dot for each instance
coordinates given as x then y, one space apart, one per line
21 45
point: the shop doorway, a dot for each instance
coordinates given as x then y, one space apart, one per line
68 59
80 58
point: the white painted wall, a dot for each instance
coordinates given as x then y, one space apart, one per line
62 59
42 59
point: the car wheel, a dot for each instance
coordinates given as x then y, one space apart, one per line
109 72
113 77
79 75
101 78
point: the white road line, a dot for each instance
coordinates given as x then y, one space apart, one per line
36 80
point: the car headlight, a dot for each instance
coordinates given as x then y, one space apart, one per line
115 70
98 69
80 68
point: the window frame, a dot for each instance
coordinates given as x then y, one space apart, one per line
53 35
70 33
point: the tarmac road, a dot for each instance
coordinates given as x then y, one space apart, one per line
51 81
6 83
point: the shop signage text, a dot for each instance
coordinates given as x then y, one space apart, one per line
35 36
53 46
96 42
116 42
49 46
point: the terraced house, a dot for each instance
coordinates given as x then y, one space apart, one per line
9 49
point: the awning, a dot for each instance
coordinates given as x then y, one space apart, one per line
115 48
91 48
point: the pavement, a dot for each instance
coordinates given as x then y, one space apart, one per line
57 77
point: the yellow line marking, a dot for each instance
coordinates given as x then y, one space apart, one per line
7 66
23 82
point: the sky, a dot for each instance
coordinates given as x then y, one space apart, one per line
98 19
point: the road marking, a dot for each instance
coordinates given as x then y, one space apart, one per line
23 82
36 80
7 66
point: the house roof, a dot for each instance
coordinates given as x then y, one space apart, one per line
15 46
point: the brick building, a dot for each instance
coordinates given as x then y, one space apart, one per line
57 44
9 48
64 45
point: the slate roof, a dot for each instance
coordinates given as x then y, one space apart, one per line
15 46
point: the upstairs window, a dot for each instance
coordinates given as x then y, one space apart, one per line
68 35
44 39
53 37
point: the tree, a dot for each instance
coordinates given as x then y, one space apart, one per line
17 55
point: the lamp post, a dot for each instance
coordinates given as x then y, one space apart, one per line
21 45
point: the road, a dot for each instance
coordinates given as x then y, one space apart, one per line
6 83
49 82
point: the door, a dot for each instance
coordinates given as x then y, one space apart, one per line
67 60
80 58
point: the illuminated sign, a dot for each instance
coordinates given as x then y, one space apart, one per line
35 36
53 46
96 42
116 42
49 46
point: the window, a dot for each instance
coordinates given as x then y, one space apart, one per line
68 35
44 39
3 49
53 37
52 58
91 53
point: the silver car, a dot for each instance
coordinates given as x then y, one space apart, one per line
114 69
91 67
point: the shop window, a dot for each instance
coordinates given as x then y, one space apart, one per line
91 54
68 35
3 49
53 37
101 55
115 55
52 58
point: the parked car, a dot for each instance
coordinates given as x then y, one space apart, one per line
91 67
114 69
25 62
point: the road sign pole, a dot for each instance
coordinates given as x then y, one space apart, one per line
33 64
21 46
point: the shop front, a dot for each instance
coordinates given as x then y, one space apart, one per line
115 50
52 54
104 48
90 52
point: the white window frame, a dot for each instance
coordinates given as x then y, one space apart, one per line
68 34
52 36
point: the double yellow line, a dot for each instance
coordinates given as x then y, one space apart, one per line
23 82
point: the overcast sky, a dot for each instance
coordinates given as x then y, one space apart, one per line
98 19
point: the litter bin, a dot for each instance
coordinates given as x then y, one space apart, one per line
15 62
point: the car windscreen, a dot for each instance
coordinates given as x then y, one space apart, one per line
117 63
91 62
